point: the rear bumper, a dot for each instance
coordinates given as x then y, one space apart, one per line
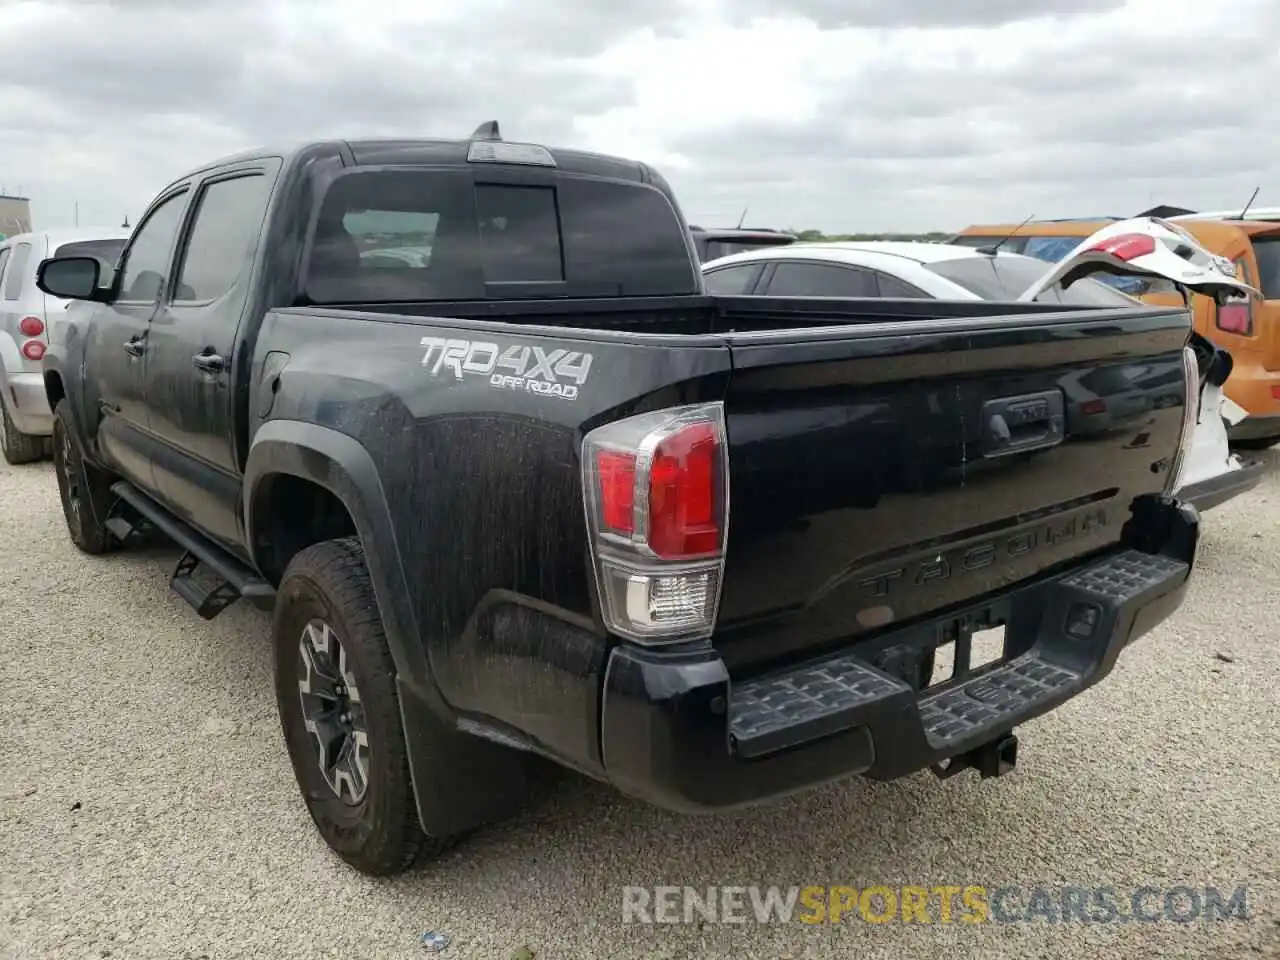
1215 491
28 404
679 732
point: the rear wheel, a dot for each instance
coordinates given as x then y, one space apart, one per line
339 709
18 447
85 490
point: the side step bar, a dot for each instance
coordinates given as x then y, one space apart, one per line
228 579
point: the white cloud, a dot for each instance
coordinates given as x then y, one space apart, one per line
848 115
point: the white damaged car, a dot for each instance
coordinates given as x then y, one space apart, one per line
1209 474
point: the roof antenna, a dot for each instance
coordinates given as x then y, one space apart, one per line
1249 204
487 131
743 219
992 251
125 225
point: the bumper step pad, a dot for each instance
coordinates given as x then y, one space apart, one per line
789 708
838 692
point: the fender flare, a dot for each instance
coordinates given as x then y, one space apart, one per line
341 465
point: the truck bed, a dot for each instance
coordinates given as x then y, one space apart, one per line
867 489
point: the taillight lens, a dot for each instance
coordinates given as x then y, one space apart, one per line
31 326
1126 247
1190 417
656 490
1236 316
33 350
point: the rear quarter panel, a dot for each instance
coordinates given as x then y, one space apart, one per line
482 480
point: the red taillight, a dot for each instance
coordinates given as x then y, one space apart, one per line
656 488
1094 406
31 326
1126 247
33 350
617 473
1236 316
682 494
1275 392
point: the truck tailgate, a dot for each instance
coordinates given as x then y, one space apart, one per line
882 472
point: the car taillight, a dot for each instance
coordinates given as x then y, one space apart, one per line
31 326
33 350
1236 316
1190 416
1126 246
656 487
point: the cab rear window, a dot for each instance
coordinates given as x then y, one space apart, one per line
387 236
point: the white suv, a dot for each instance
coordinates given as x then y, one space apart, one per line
26 315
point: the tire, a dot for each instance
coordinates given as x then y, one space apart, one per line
18 448
329 642
1256 443
85 490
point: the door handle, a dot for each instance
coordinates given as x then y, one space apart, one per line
209 362
135 347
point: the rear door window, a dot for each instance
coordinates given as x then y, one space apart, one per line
794 279
385 236
733 281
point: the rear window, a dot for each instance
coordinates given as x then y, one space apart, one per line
1267 252
1053 249
386 236
106 252
1005 277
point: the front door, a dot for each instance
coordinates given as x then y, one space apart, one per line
118 341
190 353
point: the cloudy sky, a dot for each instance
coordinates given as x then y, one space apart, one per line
843 115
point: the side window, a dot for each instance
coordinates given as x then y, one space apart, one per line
223 239
147 261
4 261
732 281
17 272
821 280
896 289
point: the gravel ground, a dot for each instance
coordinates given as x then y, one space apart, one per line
149 809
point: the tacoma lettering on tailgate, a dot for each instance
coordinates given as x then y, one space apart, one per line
525 367
950 562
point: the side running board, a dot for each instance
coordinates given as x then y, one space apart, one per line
207 577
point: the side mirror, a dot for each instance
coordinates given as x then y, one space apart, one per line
71 278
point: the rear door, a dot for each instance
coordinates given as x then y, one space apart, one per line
191 347
1266 318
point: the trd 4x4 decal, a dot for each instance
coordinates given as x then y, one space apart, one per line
546 372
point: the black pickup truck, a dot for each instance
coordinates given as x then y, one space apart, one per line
518 490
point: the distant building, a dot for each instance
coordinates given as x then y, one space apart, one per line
15 215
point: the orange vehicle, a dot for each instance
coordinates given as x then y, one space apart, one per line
1248 330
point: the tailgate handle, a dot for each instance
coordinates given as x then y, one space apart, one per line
1032 421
